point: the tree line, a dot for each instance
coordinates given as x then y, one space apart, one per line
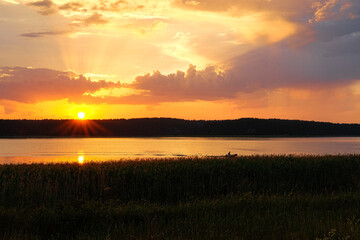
151 127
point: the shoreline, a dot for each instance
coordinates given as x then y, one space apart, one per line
183 136
71 160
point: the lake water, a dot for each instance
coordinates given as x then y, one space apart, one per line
101 149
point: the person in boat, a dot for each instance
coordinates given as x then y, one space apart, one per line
230 155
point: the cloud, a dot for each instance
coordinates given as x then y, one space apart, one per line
112 6
328 62
73 6
241 7
95 18
324 52
279 65
335 9
82 13
207 84
43 34
146 26
42 3
35 85
73 9
45 7
294 10
328 30
331 61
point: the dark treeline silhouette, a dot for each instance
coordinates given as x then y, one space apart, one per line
173 127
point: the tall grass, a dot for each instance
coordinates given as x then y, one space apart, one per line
253 197
170 180
261 217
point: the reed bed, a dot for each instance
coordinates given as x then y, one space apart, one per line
250 197
264 217
173 180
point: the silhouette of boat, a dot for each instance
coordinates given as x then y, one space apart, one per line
230 155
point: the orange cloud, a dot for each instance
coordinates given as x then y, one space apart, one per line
73 6
96 18
335 9
112 6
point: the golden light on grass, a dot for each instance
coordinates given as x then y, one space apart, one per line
81 115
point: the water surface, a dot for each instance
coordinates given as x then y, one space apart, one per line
100 149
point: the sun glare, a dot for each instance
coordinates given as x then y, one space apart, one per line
81 159
81 115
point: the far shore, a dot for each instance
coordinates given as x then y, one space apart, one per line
185 136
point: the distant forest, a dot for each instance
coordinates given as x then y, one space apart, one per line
151 127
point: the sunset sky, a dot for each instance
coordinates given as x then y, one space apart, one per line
192 59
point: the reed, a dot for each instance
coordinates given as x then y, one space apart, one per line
248 216
173 180
249 197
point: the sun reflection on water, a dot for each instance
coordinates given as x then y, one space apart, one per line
81 159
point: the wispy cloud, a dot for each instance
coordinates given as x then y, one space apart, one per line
44 33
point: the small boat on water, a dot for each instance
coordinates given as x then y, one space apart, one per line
230 155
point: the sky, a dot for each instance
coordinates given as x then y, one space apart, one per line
190 59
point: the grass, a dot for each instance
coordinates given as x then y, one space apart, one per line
256 197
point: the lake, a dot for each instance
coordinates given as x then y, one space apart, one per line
101 149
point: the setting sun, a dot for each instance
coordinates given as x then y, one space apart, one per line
81 115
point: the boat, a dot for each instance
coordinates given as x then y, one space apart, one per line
230 155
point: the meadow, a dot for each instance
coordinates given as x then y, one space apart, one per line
249 197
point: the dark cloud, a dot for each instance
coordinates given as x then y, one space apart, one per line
35 85
43 3
328 30
43 34
45 7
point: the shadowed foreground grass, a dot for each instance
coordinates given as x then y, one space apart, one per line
258 197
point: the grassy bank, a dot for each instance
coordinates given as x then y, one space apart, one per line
258 197
237 217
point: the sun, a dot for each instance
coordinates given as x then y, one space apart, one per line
81 115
